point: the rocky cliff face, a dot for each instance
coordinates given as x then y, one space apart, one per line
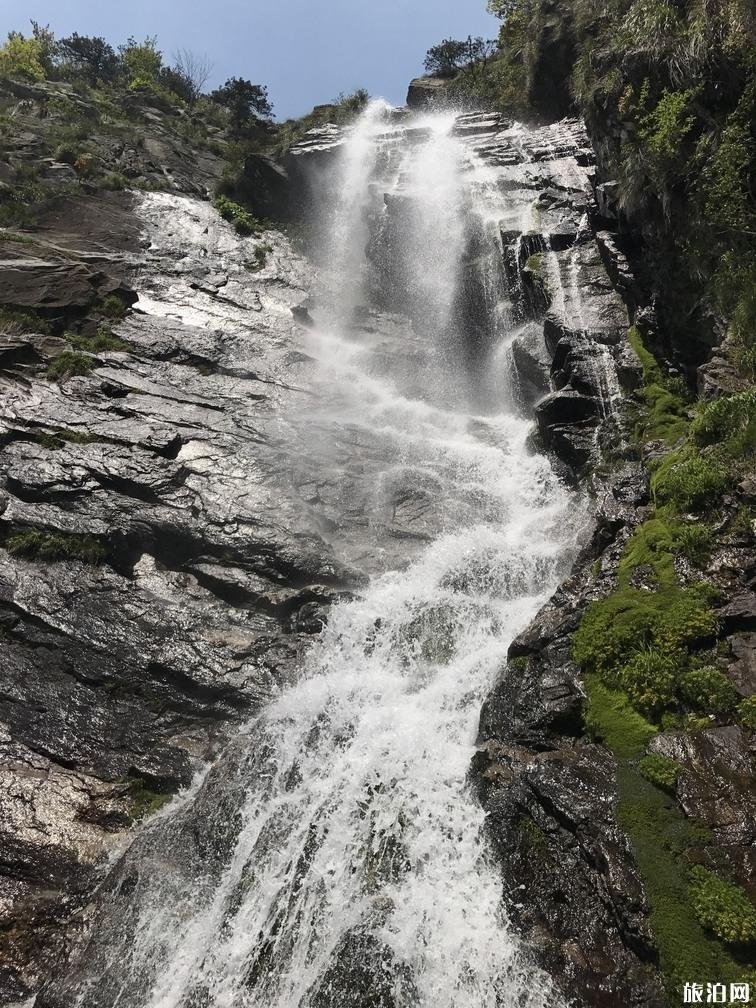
168 545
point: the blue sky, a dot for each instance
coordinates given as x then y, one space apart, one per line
306 51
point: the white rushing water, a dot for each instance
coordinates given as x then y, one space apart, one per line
347 862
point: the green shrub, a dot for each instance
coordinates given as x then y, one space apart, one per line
21 57
671 619
709 690
660 770
66 153
722 907
68 364
689 482
747 712
650 680
724 418
55 546
244 222
113 307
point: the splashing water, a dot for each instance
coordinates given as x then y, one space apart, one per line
335 855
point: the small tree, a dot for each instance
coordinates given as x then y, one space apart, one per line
142 61
91 55
451 55
195 69
48 47
21 57
446 58
502 8
246 102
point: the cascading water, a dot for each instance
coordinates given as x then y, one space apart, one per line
335 855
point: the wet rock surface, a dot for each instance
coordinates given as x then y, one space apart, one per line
550 794
166 458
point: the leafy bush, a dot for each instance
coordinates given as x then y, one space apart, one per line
142 60
689 482
244 222
747 712
708 689
650 680
660 770
725 418
68 364
55 546
21 57
723 907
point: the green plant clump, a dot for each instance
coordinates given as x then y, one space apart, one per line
660 770
689 482
709 690
101 341
20 322
68 364
113 307
665 405
55 546
144 800
747 712
671 619
243 221
723 907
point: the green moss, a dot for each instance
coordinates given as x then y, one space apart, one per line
534 837
671 619
610 719
661 838
55 546
747 712
660 770
723 907
535 263
665 407
144 801
68 364
709 690
57 438
520 663
243 221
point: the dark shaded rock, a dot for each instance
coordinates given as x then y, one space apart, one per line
576 896
715 788
426 91
531 365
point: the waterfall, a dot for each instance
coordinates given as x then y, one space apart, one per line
335 854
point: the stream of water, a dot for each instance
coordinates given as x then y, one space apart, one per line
336 855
